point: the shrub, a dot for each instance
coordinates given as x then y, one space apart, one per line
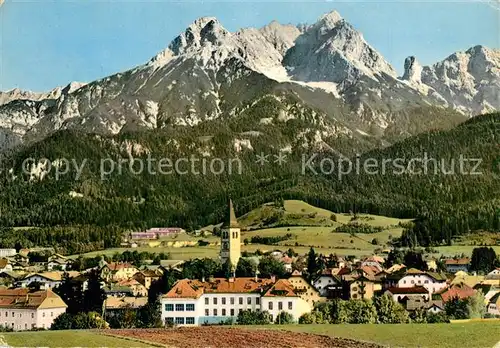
284 318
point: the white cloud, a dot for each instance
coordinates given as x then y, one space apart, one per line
493 3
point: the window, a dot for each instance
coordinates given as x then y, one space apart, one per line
190 307
215 312
426 282
190 320
249 300
270 305
223 300
355 289
232 312
43 314
14 314
240 310
207 313
179 321
232 300
33 326
169 307
25 326
169 321
206 300
413 282
51 314
290 305
179 307
32 315
215 300
280 305
223 312
355 296
257 300
404 281
241 300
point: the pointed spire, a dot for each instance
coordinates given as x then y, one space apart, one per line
230 220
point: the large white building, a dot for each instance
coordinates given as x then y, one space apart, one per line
433 282
192 302
21 309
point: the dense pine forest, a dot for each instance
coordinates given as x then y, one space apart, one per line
444 205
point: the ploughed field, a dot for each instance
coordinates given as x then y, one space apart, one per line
216 336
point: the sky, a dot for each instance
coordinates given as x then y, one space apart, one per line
49 43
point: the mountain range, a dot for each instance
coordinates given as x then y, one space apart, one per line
326 69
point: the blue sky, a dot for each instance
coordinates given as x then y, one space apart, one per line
48 43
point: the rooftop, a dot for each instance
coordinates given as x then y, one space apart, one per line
23 298
412 290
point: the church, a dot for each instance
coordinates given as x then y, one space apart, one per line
230 249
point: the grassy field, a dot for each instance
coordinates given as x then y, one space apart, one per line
319 234
473 334
66 339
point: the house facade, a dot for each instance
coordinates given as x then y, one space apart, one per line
306 291
433 282
455 265
192 302
117 271
21 309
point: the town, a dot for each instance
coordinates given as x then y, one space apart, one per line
281 287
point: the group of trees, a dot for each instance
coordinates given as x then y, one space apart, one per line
85 307
483 260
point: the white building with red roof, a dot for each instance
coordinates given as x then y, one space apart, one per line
193 302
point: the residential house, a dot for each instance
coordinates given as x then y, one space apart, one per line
47 280
5 265
114 305
495 274
494 305
146 277
8 278
358 287
432 281
58 262
116 271
287 263
21 309
375 262
304 289
455 265
402 295
461 291
194 302
462 277
137 288
432 306
328 284
395 268
7 252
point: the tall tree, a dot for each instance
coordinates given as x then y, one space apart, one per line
94 296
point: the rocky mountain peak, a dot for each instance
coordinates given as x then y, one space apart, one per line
203 30
412 70
282 37
329 20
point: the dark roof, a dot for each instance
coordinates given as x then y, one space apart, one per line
412 290
230 220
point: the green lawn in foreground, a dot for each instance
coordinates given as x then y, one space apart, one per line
473 334
66 339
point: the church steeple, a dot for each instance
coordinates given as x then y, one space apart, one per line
230 238
230 220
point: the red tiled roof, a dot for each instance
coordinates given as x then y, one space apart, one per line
412 290
116 266
461 291
464 261
281 288
195 288
23 298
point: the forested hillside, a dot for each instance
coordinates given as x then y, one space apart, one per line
444 204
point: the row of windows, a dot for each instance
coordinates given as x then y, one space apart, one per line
215 312
280 305
232 300
419 282
179 320
19 326
179 307
21 315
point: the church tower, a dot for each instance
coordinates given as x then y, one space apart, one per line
230 238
